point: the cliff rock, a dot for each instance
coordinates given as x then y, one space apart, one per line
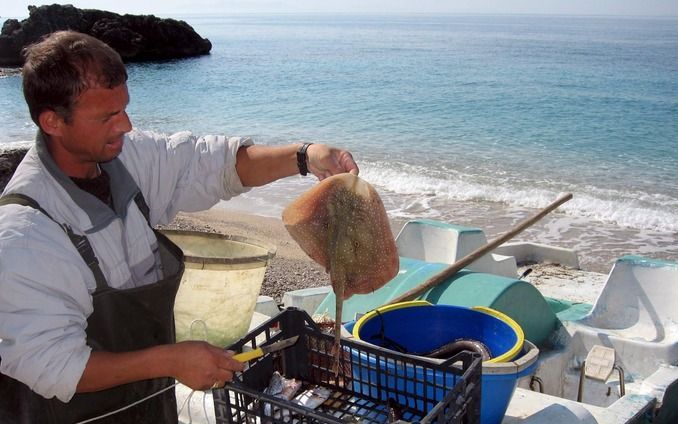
135 37
11 155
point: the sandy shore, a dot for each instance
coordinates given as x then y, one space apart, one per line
291 269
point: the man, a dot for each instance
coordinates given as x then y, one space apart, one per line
86 285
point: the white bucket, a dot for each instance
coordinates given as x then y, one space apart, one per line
220 286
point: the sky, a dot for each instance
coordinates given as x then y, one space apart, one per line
19 8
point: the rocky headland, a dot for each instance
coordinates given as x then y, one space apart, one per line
135 37
11 155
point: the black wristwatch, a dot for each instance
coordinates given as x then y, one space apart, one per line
302 159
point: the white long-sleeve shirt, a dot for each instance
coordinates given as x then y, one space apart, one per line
45 286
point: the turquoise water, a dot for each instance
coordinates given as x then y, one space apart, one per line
477 120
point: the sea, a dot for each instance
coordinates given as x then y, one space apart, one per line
476 120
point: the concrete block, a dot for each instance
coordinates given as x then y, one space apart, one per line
539 253
306 299
267 306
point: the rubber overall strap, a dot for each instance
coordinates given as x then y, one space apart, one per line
143 207
23 200
81 243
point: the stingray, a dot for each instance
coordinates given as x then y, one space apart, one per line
342 225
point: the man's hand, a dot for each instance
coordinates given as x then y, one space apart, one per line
325 161
198 365
260 165
202 366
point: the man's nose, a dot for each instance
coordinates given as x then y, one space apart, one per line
124 124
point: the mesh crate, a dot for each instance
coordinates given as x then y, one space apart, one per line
369 381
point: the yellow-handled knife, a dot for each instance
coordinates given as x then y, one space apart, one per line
263 350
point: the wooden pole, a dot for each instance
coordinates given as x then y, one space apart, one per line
471 257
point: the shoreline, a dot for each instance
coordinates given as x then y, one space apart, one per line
291 269
598 243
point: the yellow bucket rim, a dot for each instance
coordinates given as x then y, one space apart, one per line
520 335
505 357
392 307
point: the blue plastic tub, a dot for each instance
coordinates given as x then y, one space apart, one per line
499 381
420 327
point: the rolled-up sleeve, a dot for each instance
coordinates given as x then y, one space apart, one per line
182 172
232 183
44 305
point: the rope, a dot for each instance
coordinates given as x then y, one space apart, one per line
187 401
108 414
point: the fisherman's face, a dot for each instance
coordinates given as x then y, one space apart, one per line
98 123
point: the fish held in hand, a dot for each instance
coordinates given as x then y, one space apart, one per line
342 225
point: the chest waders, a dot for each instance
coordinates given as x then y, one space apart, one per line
122 320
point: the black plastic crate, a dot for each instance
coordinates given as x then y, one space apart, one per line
369 378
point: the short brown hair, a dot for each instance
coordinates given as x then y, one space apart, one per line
63 65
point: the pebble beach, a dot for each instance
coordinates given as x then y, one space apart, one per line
291 269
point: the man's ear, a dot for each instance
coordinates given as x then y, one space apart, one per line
51 123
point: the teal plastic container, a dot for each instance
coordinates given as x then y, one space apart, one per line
516 298
420 327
